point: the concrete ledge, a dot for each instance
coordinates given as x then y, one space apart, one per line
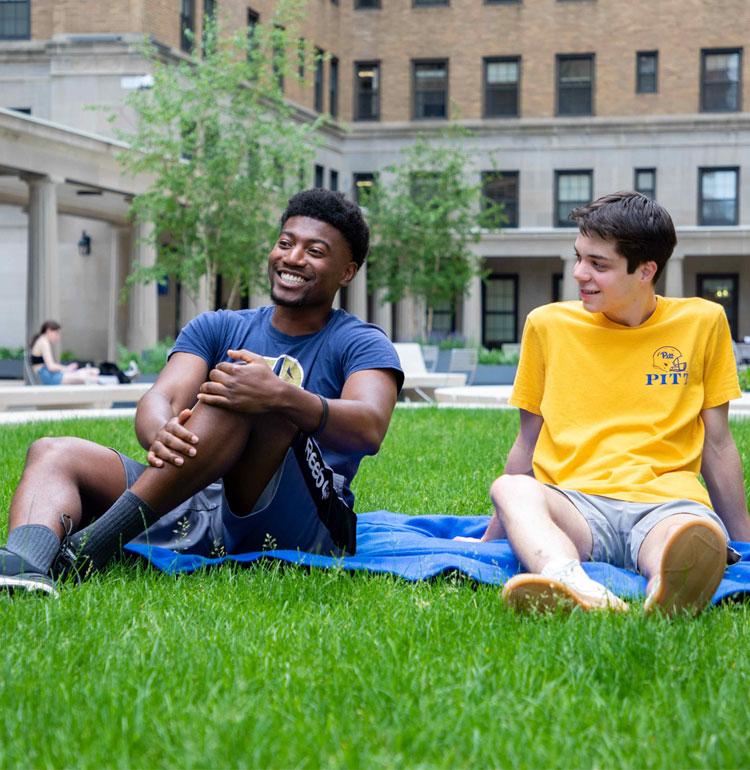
55 415
69 396
476 395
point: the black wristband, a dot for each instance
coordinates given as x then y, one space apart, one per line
323 417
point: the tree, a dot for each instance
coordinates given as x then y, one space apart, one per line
225 152
425 213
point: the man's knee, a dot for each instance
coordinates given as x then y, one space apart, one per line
50 449
509 488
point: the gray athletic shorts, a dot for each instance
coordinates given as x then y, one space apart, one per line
618 527
290 514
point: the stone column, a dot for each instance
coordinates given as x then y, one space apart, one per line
569 285
382 314
143 327
674 276
118 246
194 303
409 314
357 294
336 304
471 316
42 298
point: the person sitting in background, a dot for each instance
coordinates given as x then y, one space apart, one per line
47 369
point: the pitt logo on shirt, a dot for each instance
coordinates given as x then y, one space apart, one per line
671 368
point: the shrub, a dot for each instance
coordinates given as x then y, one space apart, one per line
150 361
497 357
13 354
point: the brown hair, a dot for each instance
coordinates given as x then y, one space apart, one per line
641 229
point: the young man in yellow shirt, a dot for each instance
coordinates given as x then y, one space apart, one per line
623 400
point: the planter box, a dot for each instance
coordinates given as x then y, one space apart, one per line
11 369
495 374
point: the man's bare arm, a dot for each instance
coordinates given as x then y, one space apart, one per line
521 453
356 422
722 471
163 409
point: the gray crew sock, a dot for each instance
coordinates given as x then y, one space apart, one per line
102 541
36 544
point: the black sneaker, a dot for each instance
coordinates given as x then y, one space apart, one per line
16 574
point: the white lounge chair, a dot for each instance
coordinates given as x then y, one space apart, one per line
416 376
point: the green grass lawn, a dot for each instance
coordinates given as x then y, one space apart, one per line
278 667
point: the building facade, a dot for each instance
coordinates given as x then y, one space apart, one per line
568 99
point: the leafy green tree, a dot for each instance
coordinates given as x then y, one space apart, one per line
225 152
425 212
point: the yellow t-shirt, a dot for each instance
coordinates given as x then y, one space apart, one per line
621 405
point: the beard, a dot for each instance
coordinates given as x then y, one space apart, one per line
299 302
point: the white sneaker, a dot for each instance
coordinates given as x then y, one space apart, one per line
568 587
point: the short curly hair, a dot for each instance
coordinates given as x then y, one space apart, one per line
334 209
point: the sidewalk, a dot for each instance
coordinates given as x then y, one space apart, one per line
496 397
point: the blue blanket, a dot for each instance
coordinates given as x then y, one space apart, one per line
421 547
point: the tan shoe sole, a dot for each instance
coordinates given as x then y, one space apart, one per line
692 566
535 593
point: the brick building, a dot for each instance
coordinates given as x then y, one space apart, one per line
570 98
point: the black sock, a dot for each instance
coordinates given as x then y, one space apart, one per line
36 544
102 541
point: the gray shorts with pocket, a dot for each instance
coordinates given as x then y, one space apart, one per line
618 527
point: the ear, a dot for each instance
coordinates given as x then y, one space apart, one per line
349 272
647 270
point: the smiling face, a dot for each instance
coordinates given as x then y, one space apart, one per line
604 284
309 263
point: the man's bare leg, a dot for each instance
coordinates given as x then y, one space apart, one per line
245 450
550 537
66 476
62 478
540 523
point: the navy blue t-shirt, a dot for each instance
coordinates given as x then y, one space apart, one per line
319 362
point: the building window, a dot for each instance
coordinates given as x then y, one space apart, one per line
572 189
500 310
319 62
430 89
333 177
502 187
443 319
557 286
320 174
15 20
333 87
721 80
187 25
644 182
364 4
301 56
717 196
252 22
502 2
646 72
724 289
278 55
501 87
366 90
363 183
575 85
423 187
426 3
